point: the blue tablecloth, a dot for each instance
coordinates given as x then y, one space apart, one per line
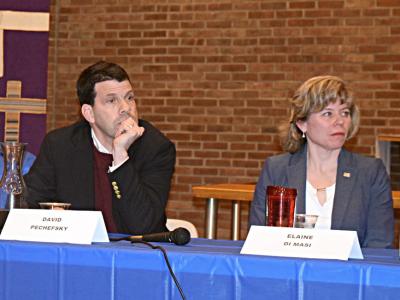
206 269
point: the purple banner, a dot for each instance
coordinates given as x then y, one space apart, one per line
27 66
20 5
26 60
30 125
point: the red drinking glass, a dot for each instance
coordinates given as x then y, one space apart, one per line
281 202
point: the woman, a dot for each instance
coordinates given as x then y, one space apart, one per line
346 190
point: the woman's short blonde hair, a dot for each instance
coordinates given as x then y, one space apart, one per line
313 96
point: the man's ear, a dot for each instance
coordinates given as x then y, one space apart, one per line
87 113
302 125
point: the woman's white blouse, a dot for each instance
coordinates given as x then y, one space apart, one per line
313 207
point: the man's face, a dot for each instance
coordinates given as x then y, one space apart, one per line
113 104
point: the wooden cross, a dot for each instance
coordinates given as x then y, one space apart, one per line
13 105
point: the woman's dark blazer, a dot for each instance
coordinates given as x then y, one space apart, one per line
363 198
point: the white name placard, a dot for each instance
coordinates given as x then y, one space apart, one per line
300 242
55 226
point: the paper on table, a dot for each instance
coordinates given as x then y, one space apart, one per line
299 242
56 226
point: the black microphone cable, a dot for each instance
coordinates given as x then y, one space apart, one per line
171 272
181 238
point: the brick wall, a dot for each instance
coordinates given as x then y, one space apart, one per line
215 76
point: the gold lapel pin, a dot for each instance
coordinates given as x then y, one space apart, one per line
346 174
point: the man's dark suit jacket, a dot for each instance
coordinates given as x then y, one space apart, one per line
362 202
63 172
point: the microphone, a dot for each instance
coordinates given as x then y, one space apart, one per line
179 236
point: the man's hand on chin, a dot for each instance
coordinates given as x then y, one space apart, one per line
126 134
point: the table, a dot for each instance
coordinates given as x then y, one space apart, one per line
206 269
235 192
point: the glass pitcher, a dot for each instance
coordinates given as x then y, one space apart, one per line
12 182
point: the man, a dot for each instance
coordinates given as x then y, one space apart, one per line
111 161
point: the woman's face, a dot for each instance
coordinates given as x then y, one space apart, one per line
328 128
